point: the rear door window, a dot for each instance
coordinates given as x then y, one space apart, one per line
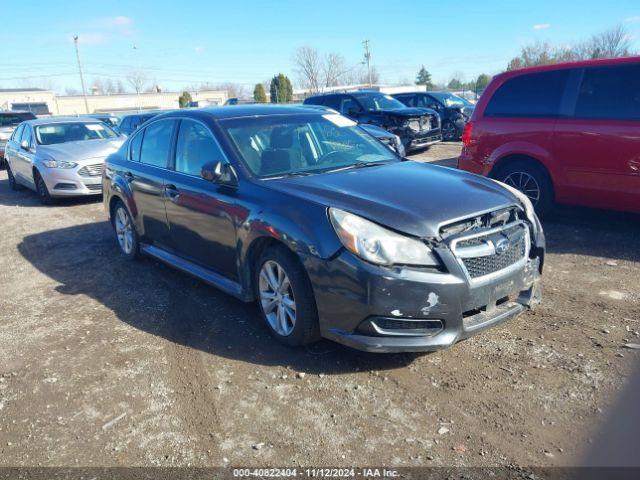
530 95
156 144
610 93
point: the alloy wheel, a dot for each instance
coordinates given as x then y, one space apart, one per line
124 230
526 183
448 131
276 298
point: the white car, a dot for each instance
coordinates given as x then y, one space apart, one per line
60 157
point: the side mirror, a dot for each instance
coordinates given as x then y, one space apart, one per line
353 112
218 172
24 145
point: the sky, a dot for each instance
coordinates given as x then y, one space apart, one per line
177 44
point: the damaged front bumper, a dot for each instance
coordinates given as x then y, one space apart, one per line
381 309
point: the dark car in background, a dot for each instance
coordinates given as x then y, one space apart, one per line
108 118
417 127
8 122
129 123
391 140
333 234
566 133
454 111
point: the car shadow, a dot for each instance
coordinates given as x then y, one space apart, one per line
28 198
592 232
157 299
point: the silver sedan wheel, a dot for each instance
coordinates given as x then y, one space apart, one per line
276 298
124 230
526 184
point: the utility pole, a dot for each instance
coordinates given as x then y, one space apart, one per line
367 57
137 87
84 91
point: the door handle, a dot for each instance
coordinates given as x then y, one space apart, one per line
172 193
129 177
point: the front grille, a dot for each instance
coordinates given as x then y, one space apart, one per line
96 187
423 124
91 170
513 239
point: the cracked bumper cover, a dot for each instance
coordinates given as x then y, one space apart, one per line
352 294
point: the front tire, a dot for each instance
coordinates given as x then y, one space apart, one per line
532 180
125 231
449 132
285 298
42 190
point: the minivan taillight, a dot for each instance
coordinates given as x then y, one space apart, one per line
466 134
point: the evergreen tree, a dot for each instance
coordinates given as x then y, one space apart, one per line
259 95
424 78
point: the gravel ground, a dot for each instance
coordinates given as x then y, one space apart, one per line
106 362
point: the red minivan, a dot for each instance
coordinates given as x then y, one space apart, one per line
566 133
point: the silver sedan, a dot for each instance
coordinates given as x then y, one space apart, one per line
60 157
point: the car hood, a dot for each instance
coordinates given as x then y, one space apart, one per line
410 197
82 150
409 112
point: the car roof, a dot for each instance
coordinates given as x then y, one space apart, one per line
245 111
51 120
601 62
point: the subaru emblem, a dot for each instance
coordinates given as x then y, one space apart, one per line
502 246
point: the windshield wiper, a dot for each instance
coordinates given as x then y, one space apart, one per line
294 174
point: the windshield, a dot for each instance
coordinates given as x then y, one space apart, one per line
450 100
72 132
277 146
378 101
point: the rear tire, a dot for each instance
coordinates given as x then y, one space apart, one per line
532 180
285 298
42 190
125 231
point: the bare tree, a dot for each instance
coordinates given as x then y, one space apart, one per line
109 87
234 90
120 87
138 80
364 76
333 69
611 43
309 67
97 86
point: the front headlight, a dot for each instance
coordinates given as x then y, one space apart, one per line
58 164
378 245
526 204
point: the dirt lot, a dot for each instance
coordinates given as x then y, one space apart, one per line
106 362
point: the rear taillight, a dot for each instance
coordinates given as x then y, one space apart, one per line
467 133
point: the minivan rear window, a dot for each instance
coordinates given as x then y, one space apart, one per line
610 93
529 95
